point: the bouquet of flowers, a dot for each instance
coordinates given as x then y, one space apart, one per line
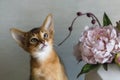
98 44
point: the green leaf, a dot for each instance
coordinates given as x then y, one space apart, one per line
87 67
105 66
106 20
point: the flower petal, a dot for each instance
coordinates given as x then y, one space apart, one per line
113 34
110 45
100 45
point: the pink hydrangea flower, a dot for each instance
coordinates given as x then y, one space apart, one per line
98 45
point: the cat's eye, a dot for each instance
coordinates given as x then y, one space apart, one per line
34 40
45 35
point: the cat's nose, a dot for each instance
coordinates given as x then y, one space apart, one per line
42 41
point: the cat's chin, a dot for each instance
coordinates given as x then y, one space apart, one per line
43 52
42 47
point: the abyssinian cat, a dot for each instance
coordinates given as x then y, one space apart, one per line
45 63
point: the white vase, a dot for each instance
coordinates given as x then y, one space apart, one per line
113 73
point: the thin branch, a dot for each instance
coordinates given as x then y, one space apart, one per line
71 27
70 31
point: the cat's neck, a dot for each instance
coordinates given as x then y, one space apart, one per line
45 56
42 55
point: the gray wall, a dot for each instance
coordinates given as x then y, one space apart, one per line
27 14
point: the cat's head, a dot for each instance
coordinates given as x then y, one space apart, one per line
36 39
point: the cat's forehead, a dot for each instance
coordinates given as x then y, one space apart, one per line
35 30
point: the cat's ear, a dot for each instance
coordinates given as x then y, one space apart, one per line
48 23
18 35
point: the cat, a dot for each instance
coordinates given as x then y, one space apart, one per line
45 63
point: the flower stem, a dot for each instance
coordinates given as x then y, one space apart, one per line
96 19
71 26
70 31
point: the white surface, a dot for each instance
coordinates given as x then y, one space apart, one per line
27 14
